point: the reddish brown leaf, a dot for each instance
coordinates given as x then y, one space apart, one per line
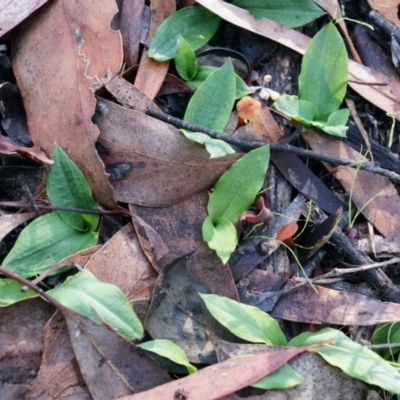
162 166
151 74
122 263
13 12
8 146
59 75
224 378
388 8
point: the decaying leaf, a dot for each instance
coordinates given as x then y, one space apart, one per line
162 167
58 76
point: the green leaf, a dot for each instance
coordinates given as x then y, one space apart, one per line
387 333
339 117
221 236
352 358
10 292
203 73
45 241
211 105
283 378
339 131
215 147
185 60
99 301
195 24
237 188
246 322
324 72
168 349
300 110
67 186
285 12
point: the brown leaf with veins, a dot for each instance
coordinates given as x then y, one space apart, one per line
160 166
62 54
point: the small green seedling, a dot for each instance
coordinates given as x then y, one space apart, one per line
322 85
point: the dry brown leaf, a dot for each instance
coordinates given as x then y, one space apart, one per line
21 338
388 8
59 374
384 210
111 365
121 262
8 146
58 77
8 222
151 73
15 11
384 97
328 306
222 379
162 166
180 227
321 380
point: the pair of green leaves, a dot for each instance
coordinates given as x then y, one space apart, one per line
197 25
253 325
51 237
322 85
234 193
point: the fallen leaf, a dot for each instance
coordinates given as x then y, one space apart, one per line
178 313
111 366
328 306
224 378
59 374
9 222
388 9
321 380
13 12
383 210
151 73
57 78
163 168
21 338
121 262
180 228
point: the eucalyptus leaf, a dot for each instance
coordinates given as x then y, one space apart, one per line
246 322
324 72
352 358
168 349
67 186
216 148
221 236
99 301
45 241
185 60
195 24
10 292
211 105
237 188
285 12
203 73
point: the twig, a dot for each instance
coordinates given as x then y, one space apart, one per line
247 146
22 204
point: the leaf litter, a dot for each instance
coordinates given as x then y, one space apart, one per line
130 157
